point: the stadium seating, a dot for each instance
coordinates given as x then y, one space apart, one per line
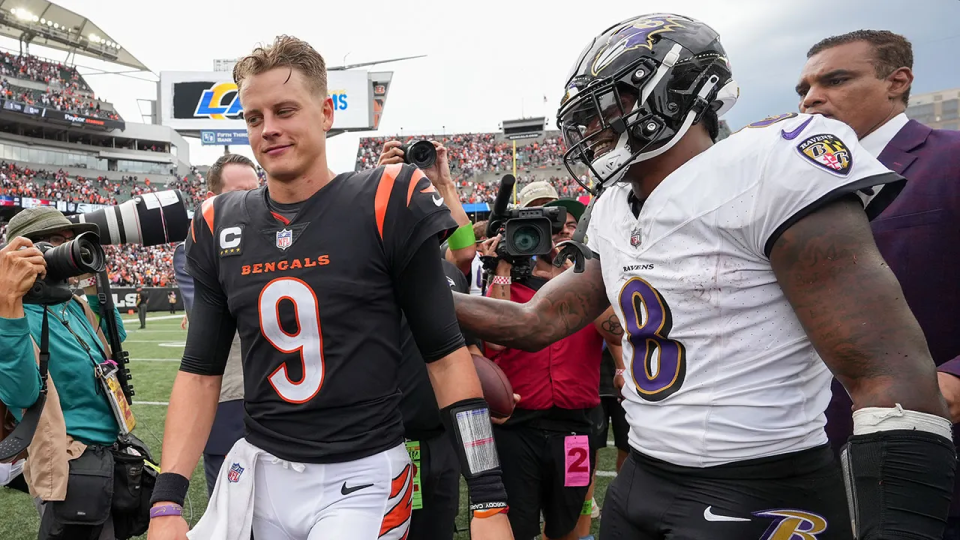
35 69
31 80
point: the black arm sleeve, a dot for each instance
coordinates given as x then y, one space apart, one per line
459 283
212 328
424 296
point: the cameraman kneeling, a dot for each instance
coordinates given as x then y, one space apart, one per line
70 467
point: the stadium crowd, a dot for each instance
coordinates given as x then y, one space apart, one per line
476 154
34 69
66 90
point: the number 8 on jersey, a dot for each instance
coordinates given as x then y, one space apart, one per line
649 336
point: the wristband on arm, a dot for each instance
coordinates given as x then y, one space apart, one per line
170 487
463 237
166 510
468 422
898 467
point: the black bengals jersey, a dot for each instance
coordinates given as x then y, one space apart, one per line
315 299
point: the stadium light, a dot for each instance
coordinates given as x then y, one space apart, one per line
94 38
22 14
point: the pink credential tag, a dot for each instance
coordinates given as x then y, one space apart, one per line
577 451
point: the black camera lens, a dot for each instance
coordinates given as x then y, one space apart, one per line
420 153
526 238
82 255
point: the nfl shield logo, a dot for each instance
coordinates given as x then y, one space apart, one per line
284 239
235 471
635 237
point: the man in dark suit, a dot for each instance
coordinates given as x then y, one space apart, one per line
863 78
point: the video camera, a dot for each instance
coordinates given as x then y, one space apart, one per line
527 232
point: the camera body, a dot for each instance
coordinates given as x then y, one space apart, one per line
81 255
420 153
528 232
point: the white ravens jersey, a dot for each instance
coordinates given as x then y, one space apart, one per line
719 368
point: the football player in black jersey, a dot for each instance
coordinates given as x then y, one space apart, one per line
314 270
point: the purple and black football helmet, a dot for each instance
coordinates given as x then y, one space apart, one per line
637 88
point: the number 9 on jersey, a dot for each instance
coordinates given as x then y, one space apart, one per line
308 340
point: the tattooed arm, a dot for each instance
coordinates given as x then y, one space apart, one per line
609 327
853 310
564 305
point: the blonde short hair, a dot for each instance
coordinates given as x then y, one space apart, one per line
288 52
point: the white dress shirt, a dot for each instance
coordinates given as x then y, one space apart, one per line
881 137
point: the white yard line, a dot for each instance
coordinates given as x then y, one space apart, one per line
149 318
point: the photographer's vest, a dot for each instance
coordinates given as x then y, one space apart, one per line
51 449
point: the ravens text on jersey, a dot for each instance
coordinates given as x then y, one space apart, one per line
315 303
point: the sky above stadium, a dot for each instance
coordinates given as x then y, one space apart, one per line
493 60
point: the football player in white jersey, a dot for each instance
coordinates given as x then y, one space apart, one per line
744 273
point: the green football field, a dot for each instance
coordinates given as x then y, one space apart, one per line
155 356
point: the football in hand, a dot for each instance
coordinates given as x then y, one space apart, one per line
496 388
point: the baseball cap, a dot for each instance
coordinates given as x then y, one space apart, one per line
574 207
536 190
37 222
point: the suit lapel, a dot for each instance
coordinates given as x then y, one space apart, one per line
898 155
896 160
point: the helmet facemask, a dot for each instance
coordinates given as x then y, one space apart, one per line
643 109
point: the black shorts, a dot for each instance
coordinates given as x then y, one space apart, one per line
763 499
533 463
439 489
614 415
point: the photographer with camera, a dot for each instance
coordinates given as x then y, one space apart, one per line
545 446
462 244
70 468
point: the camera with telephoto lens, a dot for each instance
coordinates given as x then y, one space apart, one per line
149 219
421 153
79 256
